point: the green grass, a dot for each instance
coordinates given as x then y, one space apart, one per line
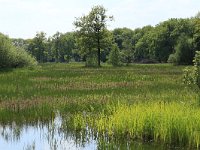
135 83
167 123
111 99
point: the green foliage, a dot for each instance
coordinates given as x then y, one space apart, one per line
62 46
196 22
142 49
122 37
91 60
192 74
184 51
56 40
92 35
67 58
21 43
169 123
157 43
142 43
127 46
197 66
6 52
114 56
24 59
11 56
38 47
171 41
173 58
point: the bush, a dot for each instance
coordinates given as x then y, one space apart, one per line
197 67
91 60
172 59
12 57
24 59
192 75
184 52
114 57
5 51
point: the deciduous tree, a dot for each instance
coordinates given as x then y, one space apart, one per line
92 33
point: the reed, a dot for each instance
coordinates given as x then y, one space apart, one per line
169 123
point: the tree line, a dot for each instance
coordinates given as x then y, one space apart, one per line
174 41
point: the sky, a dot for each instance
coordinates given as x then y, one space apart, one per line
23 18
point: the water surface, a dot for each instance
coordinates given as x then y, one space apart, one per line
52 136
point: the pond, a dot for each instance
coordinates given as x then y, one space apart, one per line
51 135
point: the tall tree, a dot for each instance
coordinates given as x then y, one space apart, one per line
37 47
184 51
92 32
124 40
57 46
197 31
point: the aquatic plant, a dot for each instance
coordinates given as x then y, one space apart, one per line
169 123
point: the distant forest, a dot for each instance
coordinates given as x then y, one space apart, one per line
174 41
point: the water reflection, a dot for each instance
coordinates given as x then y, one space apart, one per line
39 136
55 135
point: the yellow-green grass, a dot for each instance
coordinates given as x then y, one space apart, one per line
167 123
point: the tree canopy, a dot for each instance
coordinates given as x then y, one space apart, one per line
92 33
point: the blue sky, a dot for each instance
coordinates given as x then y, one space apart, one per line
23 18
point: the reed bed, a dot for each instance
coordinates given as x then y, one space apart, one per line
167 123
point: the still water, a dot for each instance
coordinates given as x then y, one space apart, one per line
52 136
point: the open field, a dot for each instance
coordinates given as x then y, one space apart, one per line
138 102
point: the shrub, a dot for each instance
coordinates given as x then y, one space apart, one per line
172 59
197 67
192 75
114 57
24 59
184 52
91 60
11 56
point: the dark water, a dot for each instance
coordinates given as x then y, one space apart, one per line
52 136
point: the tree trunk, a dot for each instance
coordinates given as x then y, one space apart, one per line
99 52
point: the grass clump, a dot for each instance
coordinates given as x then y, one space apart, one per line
169 123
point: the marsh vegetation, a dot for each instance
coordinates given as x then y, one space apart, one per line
144 103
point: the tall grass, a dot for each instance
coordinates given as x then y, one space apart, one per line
169 123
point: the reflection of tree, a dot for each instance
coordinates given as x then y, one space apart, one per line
11 132
80 137
58 133
30 146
